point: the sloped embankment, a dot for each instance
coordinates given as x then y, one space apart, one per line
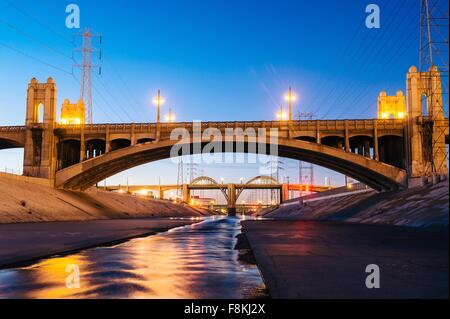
28 202
418 207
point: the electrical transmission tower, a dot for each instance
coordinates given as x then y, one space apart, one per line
86 69
305 169
275 165
433 53
192 169
180 178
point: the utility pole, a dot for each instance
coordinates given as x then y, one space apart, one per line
86 70
158 100
290 98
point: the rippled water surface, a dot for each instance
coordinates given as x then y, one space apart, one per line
196 261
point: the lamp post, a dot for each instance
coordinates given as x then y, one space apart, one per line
280 114
290 97
158 101
170 117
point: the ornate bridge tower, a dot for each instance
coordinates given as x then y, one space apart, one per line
40 150
426 141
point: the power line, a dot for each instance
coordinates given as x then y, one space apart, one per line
36 59
366 66
108 91
38 21
32 38
359 55
127 90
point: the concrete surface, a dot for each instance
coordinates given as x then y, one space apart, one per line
308 259
419 207
22 202
20 243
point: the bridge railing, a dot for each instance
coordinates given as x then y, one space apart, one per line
306 125
6 129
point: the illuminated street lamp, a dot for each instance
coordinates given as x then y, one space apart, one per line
290 98
222 180
170 117
158 100
241 179
281 115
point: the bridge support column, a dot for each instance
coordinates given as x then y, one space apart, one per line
186 194
426 149
376 155
107 140
161 192
360 149
82 145
40 143
346 137
318 139
133 134
366 148
232 200
284 196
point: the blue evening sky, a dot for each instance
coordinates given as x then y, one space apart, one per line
212 60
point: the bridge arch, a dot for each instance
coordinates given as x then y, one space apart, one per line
95 147
206 180
361 144
391 150
119 143
375 174
333 141
307 138
9 143
263 179
69 151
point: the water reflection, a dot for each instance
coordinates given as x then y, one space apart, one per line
196 261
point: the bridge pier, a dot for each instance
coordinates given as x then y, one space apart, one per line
40 147
346 137
186 194
376 155
232 200
161 192
426 149
82 146
284 193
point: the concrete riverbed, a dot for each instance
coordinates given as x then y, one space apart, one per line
25 242
194 261
310 259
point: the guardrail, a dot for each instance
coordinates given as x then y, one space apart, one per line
311 125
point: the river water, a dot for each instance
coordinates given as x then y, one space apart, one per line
195 261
